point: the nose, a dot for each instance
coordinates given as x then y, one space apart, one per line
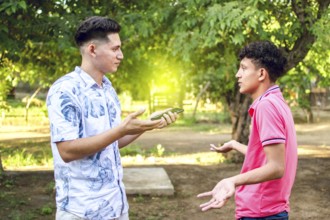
120 55
238 74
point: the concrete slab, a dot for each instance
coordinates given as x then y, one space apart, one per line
147 181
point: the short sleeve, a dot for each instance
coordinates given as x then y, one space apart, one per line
270 123
64 115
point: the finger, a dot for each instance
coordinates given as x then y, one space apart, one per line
204 209
153 124
213 147
214 205
137 113
161 111
207 203
167 118
204 194
219 204
173 116
149 125
162 124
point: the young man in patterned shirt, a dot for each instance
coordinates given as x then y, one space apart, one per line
263 187
87 131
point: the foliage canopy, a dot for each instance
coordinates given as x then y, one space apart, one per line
183 43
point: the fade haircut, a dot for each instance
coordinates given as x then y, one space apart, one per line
95 28
265 54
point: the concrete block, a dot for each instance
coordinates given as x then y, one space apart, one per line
147 181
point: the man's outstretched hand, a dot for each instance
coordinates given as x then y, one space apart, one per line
223 191
132 125
167 118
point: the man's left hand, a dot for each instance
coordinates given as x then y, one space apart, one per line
220 195
167 118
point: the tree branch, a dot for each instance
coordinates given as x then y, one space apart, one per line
323 6
306 19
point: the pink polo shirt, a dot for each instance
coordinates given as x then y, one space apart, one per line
272 123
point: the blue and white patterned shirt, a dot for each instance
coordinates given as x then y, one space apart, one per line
91 187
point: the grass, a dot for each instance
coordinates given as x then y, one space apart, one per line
37 116
28 153
38 155
136 155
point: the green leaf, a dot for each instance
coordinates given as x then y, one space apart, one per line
22 4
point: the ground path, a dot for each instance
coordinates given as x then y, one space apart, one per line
313 139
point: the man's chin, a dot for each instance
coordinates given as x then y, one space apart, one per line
112 71
243 91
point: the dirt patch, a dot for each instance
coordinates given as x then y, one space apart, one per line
29 195
309 200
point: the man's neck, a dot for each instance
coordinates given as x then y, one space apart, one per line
90 70
261 90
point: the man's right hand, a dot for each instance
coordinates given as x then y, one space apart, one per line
228 146
132 125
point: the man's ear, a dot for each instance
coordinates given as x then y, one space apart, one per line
263 74
91 49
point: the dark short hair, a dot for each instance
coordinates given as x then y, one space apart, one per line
95 27
265 54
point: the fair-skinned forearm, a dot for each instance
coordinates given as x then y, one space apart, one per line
240 147
126 140
265 173
82 147
273 169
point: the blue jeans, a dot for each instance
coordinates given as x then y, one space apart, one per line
280 216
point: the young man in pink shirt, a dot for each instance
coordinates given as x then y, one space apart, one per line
263 187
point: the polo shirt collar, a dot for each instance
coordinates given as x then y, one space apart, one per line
272 90
89 81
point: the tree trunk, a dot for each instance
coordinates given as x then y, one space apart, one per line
310 114
2 171
240 123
